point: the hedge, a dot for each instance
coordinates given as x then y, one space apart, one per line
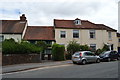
12 47
58 52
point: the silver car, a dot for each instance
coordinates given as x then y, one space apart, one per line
84 57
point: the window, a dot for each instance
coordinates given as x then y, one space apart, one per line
109 35
89 54
1 38
93 47
119 40
92 33
75 33
62 34
77 22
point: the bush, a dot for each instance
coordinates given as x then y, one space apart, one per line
84 48
98 51
105 48
58 52
12 47
73 47
42 44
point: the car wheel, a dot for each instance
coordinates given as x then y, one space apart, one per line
74 63
108 59
83 62
98 61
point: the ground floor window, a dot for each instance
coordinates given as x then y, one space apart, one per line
93 47
1 38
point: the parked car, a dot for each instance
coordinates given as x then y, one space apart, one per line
84 57
109 55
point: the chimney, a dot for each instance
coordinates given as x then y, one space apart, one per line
23 18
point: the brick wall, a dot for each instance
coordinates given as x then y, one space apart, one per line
10 59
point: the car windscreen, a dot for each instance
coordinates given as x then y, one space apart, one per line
105 52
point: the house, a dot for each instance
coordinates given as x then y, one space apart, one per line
41 33
13 29
85 33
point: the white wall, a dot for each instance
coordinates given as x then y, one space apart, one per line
16 37
100 40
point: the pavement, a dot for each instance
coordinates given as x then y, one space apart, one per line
28 66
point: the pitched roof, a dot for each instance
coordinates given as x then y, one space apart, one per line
85 24
39 33
12 26
106 27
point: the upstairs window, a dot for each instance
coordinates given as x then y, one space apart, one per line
92 33
75 33
109 35
77 21
62 34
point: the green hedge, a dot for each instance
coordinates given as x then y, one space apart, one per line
58 52
12 47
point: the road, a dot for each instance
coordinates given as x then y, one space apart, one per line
94 70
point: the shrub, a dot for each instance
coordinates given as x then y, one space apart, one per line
58 52
12 47
72 47
98 51
30 48
42 44
84 48
105 48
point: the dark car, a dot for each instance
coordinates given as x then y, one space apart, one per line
109 55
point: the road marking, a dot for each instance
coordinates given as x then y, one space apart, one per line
47 67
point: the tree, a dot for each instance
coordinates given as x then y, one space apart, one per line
73 47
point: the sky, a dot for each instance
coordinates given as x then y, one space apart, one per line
42 12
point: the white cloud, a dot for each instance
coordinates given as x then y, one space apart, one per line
42 12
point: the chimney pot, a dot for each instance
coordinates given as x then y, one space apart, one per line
23 18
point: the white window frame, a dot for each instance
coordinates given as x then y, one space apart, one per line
93 33
110 35
62 33
77 32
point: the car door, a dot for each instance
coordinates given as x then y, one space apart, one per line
112 55
115 54
88 56
93 57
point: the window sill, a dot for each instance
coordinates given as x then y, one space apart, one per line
92 38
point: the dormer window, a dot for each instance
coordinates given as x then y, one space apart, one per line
77 21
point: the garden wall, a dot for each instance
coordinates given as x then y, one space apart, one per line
9 59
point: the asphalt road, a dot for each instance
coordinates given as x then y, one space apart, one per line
94 70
